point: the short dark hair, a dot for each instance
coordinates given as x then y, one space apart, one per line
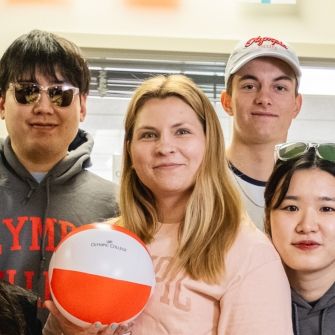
47 53
279 181
18 310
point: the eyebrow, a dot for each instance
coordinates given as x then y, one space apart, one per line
290 197
176 125
252 77
293 197
34 81
145 128
327 198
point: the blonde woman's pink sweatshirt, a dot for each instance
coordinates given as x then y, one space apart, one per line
253 297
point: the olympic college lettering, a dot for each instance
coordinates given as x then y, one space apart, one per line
108 244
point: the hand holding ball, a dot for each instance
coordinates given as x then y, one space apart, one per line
101 272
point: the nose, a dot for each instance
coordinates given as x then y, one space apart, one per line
165 145
263 97
43 104
308 222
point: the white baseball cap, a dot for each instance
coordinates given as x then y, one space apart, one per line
256 47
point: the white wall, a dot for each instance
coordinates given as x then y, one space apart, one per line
315 123
102 27
211 26
3 130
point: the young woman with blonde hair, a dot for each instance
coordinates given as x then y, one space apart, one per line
215 272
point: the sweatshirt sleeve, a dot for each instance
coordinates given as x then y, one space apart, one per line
258 303
51 327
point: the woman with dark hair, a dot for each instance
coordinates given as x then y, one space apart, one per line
300 218
18 308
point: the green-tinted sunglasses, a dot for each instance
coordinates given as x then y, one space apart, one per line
287 151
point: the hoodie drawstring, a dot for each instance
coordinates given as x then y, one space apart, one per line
323 318
44 227
295 319
32 189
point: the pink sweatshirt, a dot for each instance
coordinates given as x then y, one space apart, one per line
253 298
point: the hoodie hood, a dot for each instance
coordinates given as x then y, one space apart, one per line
78 158
316 318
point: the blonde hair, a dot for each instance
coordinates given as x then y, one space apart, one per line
213 212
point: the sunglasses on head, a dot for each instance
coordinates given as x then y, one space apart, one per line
26 93
287 151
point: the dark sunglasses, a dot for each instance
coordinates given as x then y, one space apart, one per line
61 95
287 151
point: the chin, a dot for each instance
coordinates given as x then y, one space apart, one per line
303 267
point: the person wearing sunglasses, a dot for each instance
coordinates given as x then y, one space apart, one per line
45 187
262 79
300 219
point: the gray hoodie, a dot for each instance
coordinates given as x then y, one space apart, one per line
35 216
314 319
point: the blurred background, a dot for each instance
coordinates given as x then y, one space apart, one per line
126 41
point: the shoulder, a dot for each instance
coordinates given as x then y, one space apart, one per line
250 234
101 194
251 249
101 184
254 268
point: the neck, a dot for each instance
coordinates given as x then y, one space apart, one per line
254 160
39 162
311 286
171 209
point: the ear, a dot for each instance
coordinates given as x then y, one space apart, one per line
298 104
83 100
128 147
226 102
2 107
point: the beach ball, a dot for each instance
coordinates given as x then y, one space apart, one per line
101 272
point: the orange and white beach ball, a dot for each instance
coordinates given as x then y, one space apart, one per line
101 272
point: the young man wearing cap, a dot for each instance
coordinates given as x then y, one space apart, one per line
262 80
45 187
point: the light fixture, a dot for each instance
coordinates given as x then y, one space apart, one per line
272 2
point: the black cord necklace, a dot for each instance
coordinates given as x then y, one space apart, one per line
237 173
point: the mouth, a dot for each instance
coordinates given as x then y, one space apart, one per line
306 245
263 114
167 166
42 125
